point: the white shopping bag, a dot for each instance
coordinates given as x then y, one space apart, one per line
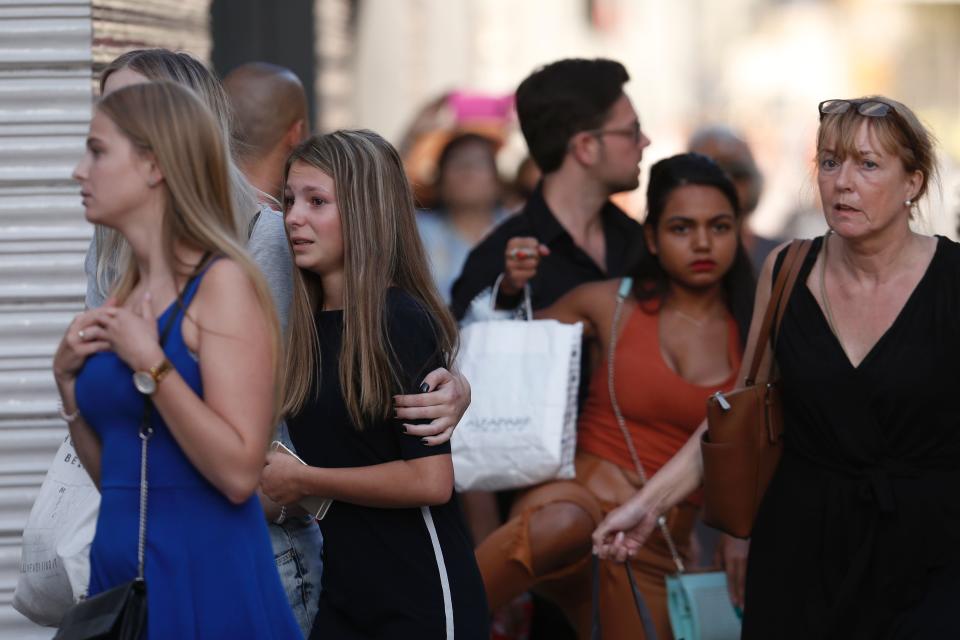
520 428
55 556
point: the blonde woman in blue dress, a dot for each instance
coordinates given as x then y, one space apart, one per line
191 314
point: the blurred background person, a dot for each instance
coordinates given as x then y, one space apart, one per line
729 150
448 115
270 119
468 192
525 181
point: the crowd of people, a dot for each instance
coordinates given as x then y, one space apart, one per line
252 282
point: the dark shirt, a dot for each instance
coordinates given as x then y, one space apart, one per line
387 573
566 267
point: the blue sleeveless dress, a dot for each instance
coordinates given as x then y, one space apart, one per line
209 565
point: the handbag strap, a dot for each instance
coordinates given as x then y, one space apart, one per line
146 428
625 285
776 308
527 305
646 619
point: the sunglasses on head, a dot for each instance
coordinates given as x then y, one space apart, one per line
869 108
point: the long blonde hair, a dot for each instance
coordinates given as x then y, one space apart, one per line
382 249
183 69
170 122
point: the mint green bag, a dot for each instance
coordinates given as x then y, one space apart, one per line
700 607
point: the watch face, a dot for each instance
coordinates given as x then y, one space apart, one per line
144 382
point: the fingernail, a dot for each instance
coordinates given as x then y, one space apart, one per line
424 387
424 441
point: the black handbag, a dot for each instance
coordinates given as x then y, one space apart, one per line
120 613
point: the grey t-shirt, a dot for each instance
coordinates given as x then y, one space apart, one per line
270 250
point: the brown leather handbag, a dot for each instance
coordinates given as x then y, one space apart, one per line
744 439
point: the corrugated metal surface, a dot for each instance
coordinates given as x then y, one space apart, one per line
120 25
45 62
47 53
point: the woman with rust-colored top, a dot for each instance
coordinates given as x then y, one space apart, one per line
679 340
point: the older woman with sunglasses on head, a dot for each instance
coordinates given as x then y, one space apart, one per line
857 536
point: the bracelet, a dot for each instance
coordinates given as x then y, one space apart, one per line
69 418
283 515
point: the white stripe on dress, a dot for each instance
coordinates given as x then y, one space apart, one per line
442 567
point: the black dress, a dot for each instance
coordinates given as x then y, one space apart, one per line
858 535
387 573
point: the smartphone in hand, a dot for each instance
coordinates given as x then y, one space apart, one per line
314 505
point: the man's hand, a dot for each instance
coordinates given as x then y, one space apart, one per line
445 398
521 259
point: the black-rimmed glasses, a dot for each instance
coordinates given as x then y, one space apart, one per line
632 131
869 108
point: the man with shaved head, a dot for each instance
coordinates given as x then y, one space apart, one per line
725 147
270 112
270 109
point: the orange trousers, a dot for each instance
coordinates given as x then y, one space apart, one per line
506 556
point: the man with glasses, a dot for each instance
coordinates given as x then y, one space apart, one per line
585 136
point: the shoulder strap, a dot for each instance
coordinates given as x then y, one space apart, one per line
625 286
646 618
190 288
253 223
776 307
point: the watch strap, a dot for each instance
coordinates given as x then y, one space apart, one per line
159 371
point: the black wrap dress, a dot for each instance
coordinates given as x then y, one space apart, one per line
859 533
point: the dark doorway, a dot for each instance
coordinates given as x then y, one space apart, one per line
265 31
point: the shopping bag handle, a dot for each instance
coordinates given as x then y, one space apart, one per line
527 305
646 619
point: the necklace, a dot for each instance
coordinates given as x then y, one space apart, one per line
823 288
697 322
694 321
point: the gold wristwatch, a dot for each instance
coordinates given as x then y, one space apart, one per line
146 381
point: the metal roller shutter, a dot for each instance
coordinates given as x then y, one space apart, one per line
47 53
45 62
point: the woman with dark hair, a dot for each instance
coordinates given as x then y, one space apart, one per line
468 205
857 535
681 328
